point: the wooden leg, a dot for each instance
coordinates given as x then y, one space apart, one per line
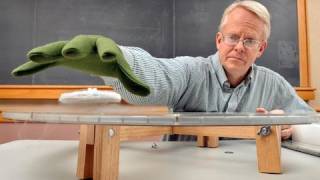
213 141
201 141
269 151
208 141
106 152
85 152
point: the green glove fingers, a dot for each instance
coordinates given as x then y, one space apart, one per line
79 47
48 53
30 67
41 58
107 49
92 54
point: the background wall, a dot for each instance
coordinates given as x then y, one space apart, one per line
313 15
165 28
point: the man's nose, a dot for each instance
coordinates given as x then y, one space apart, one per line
239 46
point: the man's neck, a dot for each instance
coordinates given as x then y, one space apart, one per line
235 79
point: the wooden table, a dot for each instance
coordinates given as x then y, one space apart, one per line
105 126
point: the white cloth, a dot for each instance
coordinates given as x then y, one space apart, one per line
92 95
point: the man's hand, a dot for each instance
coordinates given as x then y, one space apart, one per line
92 54
286 130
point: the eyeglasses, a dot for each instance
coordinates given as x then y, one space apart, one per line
233 39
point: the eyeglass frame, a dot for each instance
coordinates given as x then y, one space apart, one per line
257 42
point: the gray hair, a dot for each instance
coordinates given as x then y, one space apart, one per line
253 6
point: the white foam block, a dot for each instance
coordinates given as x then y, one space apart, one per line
92 95
307 134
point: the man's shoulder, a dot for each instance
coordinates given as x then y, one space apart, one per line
265 72
271 78
272 81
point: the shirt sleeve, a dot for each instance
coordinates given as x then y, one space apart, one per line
167 78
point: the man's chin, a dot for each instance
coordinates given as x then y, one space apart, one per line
233 67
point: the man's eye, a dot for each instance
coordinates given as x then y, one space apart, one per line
250 41
234 38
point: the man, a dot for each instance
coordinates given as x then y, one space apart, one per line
227 81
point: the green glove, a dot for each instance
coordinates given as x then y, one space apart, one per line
93 54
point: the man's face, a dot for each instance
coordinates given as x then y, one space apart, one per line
237 58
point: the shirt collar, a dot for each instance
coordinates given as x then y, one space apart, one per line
250 76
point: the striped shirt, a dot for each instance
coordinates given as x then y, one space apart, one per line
200 84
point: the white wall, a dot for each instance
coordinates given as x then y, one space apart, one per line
313 15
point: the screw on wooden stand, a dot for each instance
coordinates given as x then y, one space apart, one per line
154 146
264 131
111 132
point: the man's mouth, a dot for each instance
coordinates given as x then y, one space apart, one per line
235 58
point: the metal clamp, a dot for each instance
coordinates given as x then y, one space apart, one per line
264 131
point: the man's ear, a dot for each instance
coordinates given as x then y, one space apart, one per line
218 40
262 48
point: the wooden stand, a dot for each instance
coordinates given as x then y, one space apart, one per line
99 145
269 151
86 151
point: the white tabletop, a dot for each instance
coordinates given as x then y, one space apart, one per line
234 159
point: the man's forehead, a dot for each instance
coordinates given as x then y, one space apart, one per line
243 13
243 22
243 16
